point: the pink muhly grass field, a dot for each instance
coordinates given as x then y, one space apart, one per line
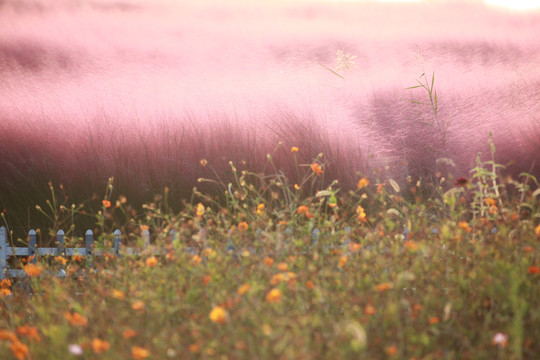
143 90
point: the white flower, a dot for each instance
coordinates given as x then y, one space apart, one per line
75 349
500 339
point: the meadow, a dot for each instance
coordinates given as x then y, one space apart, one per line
345 180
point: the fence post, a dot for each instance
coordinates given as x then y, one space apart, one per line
3 251
117 241
315 236
32 242
60 248
146 238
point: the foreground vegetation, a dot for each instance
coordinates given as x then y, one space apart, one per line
447 269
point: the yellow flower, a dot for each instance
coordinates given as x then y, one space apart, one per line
218 315
204 162
294 149
32 270
243 226
200 209
260 209
139 353
296 187
277 278
99 346
343 261
317 169
363 182
243 289
151 261
361 214
274 296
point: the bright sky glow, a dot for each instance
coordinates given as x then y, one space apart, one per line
516 4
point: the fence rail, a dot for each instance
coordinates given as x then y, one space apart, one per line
33 251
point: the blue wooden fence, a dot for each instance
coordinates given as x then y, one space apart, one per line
60 250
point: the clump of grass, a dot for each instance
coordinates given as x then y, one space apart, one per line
274 268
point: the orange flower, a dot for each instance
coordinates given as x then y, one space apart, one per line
493 209
206 279
434 320
260 209
19 350
137 305
537 230
218 315
465 226
4 284
277 278
77 258
106 203
151 261
243 226
528 249
309 284
99 346
302 209
7 335
491 202
379 188
411 245
204 162
243 289
4 292
354 247
274 296
369 310
282 266
28 331
196 259
343 261
268 261
193 348
75 319
317 169
391 350
294 149
533 270
118 294
61 260
384 286
129 333
32 270
139 353
362 183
